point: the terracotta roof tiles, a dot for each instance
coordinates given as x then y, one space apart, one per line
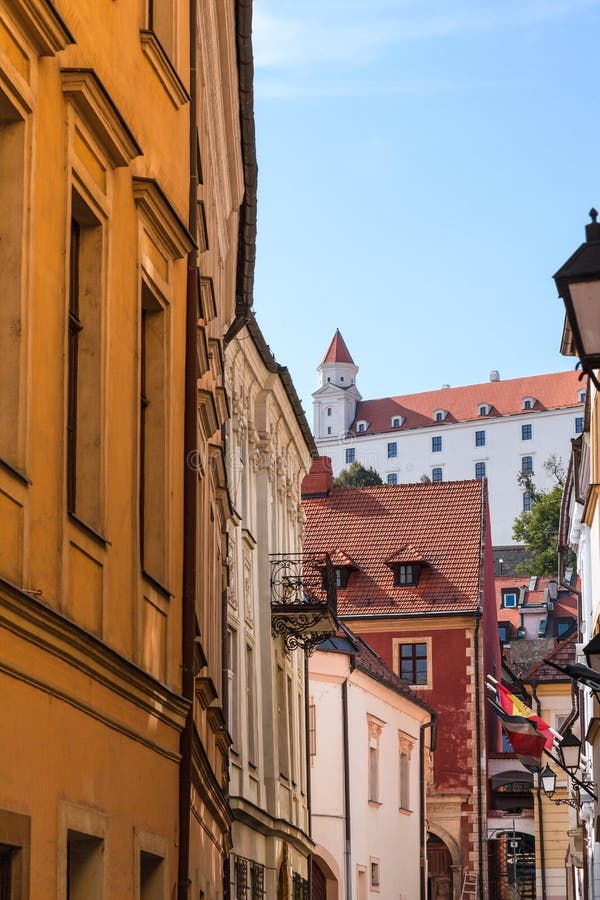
337 351
559 390
441 522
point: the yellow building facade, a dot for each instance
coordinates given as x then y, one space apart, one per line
126 254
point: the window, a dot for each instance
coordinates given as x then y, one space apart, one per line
375 874
579 425
374 773
300 886
404 780
392 450
361 883
406 574
161 20
85 855
437 474
250 705
329 429
480 470
241 878
526 432
483 409
528 403
12 306
231 664
328 410
14 855
350 455
392 478
257 881
152 876
413 663
312 729
526 502
503 633
480 438
563 626
436 444
361 427
439 416
84 372
396 422
581 396
527 465
153 436
282 719
509 599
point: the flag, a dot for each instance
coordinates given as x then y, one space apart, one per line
525 739
515 707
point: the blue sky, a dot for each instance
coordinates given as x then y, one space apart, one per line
425 166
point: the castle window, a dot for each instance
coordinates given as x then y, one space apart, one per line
392 450
436 444
392 478
526 502
437 474
526 432
483 409
528 403
350 455
579 425
328 410
480 470
527 465
480 438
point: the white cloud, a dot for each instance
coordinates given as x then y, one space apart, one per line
354 32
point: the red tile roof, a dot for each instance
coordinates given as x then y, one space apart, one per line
557 391
337 351
564 606
441 522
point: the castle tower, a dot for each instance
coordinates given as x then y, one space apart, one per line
334 403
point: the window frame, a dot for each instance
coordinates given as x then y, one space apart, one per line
480 470
579 425
350 455
527 431
434 478
396 656
480 438
527 468
392 478
436 443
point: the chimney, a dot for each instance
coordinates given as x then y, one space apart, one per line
445 387
319 481
494 375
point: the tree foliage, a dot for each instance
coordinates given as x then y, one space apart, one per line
538 528
357 476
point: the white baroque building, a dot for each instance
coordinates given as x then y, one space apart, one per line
492 430
268 451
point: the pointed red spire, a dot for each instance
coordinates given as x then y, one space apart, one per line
337 351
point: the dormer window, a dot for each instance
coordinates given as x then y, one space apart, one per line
581 396
406 564
528 402
342 576
483 409
440 415
361 427
406 574
397 421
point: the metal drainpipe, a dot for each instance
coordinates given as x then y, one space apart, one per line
538 707
478 750
347 820
188 601
422 843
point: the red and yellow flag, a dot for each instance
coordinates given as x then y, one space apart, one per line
515 707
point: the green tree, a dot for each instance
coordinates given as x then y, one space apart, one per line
538 528
357 476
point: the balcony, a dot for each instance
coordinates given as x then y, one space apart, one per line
303 599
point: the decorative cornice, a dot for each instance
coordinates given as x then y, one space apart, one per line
93 103
259 820
159 211
206 691
42 25
208 788
48 629
164 69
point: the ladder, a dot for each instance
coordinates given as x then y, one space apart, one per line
470 885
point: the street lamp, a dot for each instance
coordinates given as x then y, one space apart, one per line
570 752
578 284
592 653
548 779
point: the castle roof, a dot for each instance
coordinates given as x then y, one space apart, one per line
337 351
442 525
559 390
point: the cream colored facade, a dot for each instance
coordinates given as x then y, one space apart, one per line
368 824
101 255
269 450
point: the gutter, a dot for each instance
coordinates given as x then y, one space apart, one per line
478 688
432 724
190 502
347 819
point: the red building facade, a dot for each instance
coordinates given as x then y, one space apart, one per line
415 580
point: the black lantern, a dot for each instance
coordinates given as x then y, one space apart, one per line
592 653
570 752
548 779
578 284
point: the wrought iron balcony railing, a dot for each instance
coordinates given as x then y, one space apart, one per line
303 599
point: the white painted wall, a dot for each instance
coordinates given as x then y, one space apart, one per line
379 831
502 455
